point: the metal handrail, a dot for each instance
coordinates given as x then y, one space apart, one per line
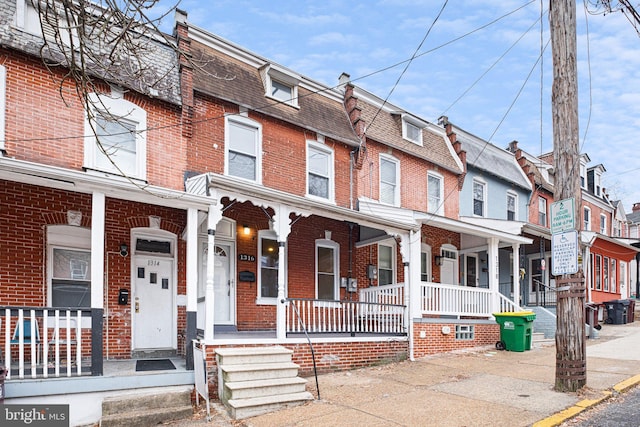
313 354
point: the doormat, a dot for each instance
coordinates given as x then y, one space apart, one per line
154 365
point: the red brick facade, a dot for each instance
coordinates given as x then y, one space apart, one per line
433 338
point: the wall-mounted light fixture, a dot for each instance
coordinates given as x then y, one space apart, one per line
246 230
124 249
438 259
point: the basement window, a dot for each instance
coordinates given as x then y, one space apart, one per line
465 332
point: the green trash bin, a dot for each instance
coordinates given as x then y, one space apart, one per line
515 330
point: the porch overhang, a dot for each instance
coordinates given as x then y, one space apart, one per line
483 229
111 185
591 239
234 189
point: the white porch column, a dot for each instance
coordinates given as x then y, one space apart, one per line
215 214
97 249
516 273
494 272
192 260
192 283
282 227
410 247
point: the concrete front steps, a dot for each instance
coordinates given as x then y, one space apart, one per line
147 408
257 380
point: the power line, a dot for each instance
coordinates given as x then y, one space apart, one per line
271 104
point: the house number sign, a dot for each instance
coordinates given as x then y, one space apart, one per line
246 257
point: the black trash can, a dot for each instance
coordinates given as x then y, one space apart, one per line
617 311
3 374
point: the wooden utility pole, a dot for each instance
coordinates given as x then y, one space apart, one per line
571 361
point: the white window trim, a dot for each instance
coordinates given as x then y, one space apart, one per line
324 243
271 73
396 193
515 207
246 122
394 273
439 210
603 224
546 216
116 106
260 300
414 122
314 145
64 237
3 105
586 224
426 249
484 197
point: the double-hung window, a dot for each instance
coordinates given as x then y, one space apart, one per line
435 193
386 264
512 204
243 142
542 211
69 266
479 197
320 171
116 140
603 224
327 269
587 219
269 266
389 180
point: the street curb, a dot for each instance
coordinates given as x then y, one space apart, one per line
572 411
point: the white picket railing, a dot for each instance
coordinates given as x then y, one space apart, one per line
385 294
442 299
321 316
52 337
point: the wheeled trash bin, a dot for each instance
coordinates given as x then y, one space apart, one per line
515 330
617 311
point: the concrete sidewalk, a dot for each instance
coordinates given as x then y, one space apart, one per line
483 387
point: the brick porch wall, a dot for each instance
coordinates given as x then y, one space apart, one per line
435 341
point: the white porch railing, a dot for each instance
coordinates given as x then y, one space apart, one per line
442 299
508 306
45 342
353 317
386 294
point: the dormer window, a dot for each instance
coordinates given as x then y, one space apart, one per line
412 129
280 84
281 91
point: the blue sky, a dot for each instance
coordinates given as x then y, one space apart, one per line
486 76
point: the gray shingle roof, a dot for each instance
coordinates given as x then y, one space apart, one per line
491 159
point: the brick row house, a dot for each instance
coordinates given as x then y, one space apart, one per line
236 203
606 253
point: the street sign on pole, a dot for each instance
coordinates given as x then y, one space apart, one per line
564 250
563 215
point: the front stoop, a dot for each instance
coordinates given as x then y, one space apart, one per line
146 409
257 380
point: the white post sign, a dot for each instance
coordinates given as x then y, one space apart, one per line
563 215
564 250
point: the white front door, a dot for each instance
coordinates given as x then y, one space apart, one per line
153 303
224 284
